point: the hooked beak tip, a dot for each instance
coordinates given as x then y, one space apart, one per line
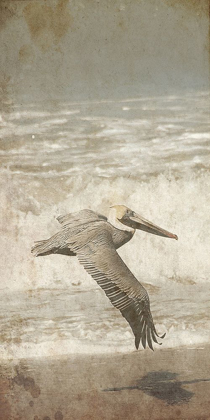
173 236
143 224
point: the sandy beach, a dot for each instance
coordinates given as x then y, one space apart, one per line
166 384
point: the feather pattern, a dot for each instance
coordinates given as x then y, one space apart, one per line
72 224
98 256
94 240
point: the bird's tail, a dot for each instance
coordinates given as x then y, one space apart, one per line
42 248
55 245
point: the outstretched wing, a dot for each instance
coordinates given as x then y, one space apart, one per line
80 217
71 225
96 252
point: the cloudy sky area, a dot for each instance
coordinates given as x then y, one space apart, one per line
107 49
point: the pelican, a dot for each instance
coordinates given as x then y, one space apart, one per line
94 239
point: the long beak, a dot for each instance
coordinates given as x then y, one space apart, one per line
143 224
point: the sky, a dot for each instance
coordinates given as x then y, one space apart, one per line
108 49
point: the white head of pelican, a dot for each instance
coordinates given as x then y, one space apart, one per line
121 216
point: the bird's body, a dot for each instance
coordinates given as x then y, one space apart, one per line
94 239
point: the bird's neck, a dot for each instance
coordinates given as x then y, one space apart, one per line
114 221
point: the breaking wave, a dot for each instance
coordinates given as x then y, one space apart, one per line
158 166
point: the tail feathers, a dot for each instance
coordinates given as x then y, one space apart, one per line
46 247
41 248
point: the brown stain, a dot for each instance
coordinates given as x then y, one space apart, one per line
28 383
122 24
58 415
4 403
200 7
18 324
47 23
7 11
5 87
25 53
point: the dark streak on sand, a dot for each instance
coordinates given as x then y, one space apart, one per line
164 386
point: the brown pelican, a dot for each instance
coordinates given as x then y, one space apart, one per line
94 239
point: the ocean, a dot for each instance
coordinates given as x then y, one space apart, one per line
149 153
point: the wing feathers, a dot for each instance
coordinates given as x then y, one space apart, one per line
80 217
89 236
149 340
96 252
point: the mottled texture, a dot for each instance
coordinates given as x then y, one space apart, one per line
47 22
81 50
91 49
165 385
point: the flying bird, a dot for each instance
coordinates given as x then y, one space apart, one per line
94 239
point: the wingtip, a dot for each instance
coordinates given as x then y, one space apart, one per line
151 347
137 341
144 345
161 336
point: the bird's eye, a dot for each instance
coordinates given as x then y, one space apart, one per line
129 213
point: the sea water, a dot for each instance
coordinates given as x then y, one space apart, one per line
151 154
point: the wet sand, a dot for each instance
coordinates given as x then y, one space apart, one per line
167 384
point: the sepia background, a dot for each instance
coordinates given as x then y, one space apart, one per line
102 103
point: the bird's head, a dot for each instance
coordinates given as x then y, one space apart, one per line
126 217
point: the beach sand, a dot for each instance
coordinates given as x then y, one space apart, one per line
144 385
